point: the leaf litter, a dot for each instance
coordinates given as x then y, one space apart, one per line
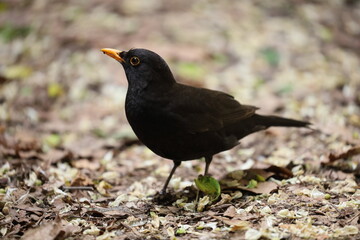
71 168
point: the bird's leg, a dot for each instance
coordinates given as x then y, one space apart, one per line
176 164
207 164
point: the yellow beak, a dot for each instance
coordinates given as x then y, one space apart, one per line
113 53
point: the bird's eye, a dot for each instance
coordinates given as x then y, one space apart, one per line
134 61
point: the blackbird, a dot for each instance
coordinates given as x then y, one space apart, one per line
181 122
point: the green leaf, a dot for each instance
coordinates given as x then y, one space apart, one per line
152 214
8 32
98 132
208 185
326 34
252 184
327 196
55 90
17 71
271 56
38 182
260 178
180 231
220 58
53 140
286 88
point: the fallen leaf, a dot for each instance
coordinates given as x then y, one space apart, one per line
252 184
235 223
81 180
86 164
252 234
202 203
55 90
17 71
345 155
208 185
53 140
261 188
51 230
230 212
252 180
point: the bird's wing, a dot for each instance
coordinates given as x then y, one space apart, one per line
208 110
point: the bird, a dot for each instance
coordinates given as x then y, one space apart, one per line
182 122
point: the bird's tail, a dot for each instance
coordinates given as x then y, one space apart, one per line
276 121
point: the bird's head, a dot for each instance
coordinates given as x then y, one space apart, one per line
142 67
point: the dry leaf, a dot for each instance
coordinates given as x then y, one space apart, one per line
345 155
51 230
81 180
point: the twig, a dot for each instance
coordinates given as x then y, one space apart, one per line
351 219
131 229
73 188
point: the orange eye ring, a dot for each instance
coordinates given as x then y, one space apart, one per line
134 61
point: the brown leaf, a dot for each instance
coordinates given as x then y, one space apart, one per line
26 141
349 153
118 212
230 212
81 180
280 171
51 230
235 223
261 188
55 155
34 209
250 174
240 179
86 164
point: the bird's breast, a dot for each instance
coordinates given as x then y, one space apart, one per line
147 117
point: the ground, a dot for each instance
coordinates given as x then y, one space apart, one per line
71 167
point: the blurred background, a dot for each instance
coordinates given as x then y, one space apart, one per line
62 119
297 57
294 58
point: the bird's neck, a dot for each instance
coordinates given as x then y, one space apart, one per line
150 88
151 83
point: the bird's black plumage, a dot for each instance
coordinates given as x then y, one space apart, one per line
181 122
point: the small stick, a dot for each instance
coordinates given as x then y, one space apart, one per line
72 188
